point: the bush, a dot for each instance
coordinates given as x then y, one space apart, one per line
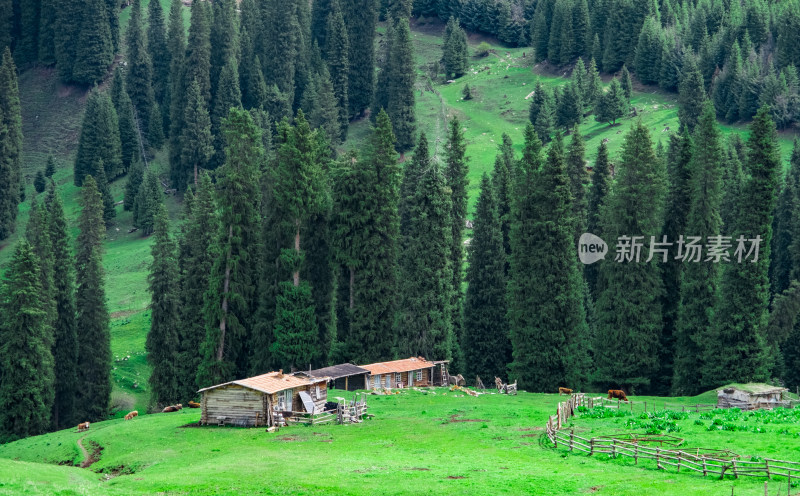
483 49
466 92
121 402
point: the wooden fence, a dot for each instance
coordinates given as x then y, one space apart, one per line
703 461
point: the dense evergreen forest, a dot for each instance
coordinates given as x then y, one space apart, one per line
292 253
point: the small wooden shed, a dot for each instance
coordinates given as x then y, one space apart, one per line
414 371
345 376
255 401
750 396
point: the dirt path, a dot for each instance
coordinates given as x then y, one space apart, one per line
88 458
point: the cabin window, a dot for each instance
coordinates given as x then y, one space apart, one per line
376 382
419 375
398 378
388 380
287 400
316 392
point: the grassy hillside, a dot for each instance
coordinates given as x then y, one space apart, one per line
440 443
52 114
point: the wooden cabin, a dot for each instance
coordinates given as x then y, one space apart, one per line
345 376
409 372
256 401
751 396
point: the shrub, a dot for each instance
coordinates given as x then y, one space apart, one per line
466 92
483 49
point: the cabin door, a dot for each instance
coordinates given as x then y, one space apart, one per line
287 400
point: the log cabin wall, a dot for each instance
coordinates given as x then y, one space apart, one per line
239 406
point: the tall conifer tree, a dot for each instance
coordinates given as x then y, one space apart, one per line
197 254
545 313
26 391
65 332
140 69
95 46
337 53
628 308
361 17
737 348
401 100
99 140
94 346
700 280
158 49
11 143
162 340
424 323
456 176
231 299
486 347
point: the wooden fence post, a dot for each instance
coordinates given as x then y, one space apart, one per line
766 462
645 407
571 435
614 448
735 474
591 447
705 470
636 455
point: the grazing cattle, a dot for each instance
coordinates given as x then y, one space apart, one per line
132 414
499 383
172 408
563 390
193 404
617 394
83 426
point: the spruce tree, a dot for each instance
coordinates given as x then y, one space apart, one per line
628 308
612 104
456 177
401 100
94 49
360 18
737 347
699 280
176 39
39 182
691 94
67 17
65 331
196 256
648 52
337 53
162 340
545 301
26 391
300 197
626 83
593 90
578 182
224 40
135 178
781 265
424 322
94 345
284 47
197 60
147 202
128 131
196 140
570 106
501 182
38 235
542 112
678 156
375 285
26 50
228 96
139 76
601 185
485 344
231 298
158 48
99 139
47 19
11 142
454 50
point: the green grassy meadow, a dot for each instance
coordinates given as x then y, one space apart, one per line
443 443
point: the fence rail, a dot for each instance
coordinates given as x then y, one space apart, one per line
708 462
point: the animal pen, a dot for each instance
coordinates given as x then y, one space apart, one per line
705 461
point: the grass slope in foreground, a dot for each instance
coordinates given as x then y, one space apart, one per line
416 444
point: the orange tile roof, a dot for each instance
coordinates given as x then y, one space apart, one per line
272 382
396 366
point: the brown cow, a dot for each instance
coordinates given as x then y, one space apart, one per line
171 408
617 394
132 414
83 426
563 390
193 404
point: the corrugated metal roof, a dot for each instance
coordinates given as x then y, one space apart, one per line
271 383
396 366
338 371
